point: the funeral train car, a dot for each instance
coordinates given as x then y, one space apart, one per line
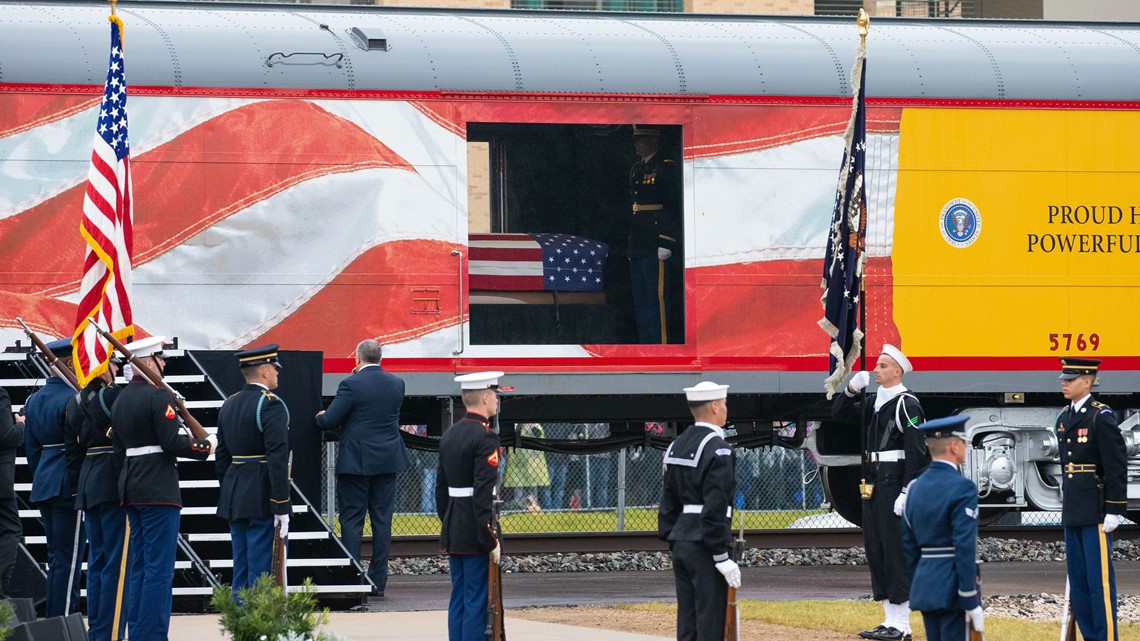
456 184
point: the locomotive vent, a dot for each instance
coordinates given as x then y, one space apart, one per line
371 40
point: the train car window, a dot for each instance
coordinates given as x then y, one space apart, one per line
575 234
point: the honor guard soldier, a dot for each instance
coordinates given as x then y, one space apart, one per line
148 440
654 237
11 440
252 460
465 494
894 455
1094 469
53 491
940 536
97 495
695 515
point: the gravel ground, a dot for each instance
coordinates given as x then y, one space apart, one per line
1047 607
990 550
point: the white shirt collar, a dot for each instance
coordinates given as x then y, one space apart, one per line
367 365
718 430
264 387
1080 403
884 394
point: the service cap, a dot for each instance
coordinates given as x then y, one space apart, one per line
479 380
900 358
706 391
61 348
1076 367
644 130
945 427
143 347
266 354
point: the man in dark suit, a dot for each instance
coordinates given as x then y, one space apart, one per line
695 516
366 410
252 460
1094 487
11 438
940 536
52 489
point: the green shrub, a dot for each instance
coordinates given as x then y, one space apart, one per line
265 612
6 616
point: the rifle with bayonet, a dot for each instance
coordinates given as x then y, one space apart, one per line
495 630
278 564
1068 618
196 429
731 612
53 361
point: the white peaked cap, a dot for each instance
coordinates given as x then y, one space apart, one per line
144 347
900 358
478 380
706 391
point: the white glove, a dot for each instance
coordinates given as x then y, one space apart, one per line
128 372
976 618
858 381
212 439
496 553
1111 521
664 254
731 572
281 521
900 503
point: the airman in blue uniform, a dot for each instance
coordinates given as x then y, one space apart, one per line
1094 477
53 489
940 536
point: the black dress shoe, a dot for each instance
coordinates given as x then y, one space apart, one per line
872 634
378 593
892 634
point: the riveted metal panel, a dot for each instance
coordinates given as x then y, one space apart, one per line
44 44
466 57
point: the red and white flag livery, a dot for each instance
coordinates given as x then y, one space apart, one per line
105 291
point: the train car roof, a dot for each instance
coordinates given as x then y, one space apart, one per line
297 47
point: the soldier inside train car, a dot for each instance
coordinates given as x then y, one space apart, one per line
252 460
1094 483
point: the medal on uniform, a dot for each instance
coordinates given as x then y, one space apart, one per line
1083 435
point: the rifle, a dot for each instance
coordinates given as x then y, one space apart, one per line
731 612
52 360
495 630
278 565
1068 619
976 635
196 429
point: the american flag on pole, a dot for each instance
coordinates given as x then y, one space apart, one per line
537 262
846 243
105 291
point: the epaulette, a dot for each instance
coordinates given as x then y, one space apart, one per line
1099 405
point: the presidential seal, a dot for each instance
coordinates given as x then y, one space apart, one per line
960 222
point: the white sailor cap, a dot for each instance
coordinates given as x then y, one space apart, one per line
144 347
900 358
706 391
479 380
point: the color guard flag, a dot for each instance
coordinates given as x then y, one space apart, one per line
846 242
105 292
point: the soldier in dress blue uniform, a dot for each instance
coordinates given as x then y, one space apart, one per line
252 460
654 237
695 515
895 455
53 491
1094 477
148 440
97 495
465 489
940 536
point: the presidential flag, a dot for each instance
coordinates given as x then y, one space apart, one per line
537 262
846 242
105 291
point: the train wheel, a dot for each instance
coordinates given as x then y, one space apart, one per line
842 487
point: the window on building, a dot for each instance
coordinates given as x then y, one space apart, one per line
674 6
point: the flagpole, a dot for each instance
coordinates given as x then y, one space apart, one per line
862 24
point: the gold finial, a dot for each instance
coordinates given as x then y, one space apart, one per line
863 22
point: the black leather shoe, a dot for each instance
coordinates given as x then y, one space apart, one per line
892 634
872 634
377 593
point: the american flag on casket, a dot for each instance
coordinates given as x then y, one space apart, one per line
537 262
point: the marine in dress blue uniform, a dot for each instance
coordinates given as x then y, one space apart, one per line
895 454
940 535
53 489
695 515
654 238
252 460
1094 477
148 440
466 483
97 495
